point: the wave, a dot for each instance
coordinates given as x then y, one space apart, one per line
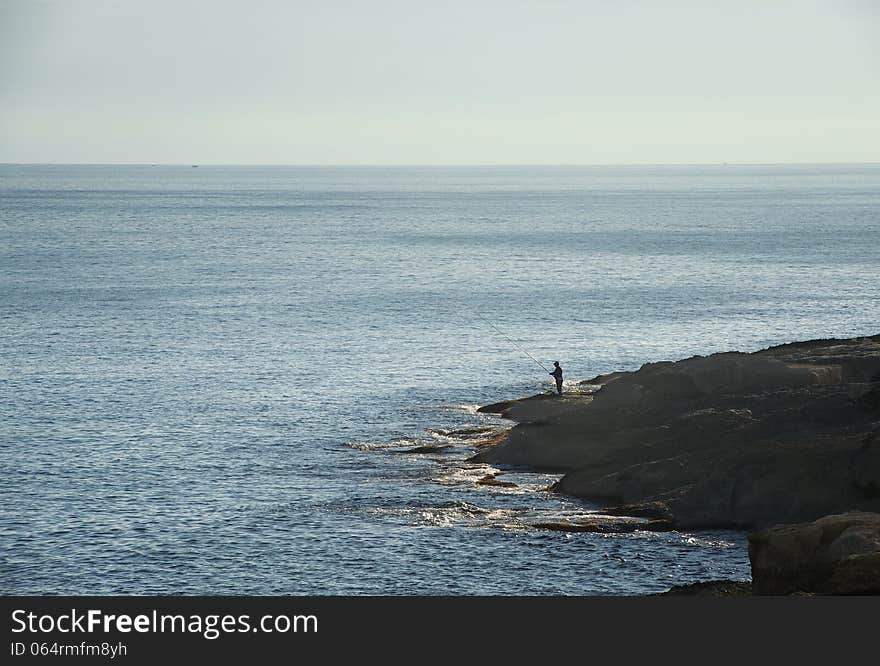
392 445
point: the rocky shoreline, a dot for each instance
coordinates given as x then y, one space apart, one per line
786 435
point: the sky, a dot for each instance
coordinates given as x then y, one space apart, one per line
451 82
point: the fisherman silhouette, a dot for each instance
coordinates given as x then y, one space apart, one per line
557 373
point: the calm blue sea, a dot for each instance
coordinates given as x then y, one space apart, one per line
208 375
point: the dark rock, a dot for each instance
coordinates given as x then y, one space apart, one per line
427 448
711 588
490 480
865 467
601 380
837 554
787 434
540 407
657 510
496 407
605 525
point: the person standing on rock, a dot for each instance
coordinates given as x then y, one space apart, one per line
557 374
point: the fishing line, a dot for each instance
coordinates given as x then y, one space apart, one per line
512 341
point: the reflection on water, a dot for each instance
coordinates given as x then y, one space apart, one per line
253 380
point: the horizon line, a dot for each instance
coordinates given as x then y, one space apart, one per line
439 165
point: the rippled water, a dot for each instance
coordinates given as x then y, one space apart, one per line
210 377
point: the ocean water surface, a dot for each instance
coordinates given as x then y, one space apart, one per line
212 377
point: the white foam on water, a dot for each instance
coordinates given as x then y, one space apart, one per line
467 409
467 474
466 432
464 514
394 444
472 436
693 540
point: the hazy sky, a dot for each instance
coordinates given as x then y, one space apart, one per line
441 82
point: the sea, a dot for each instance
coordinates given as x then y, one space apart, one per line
264 380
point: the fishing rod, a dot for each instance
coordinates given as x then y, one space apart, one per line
513 342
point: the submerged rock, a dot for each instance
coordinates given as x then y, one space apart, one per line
490 480
711 588
427 448
603 525
838 554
